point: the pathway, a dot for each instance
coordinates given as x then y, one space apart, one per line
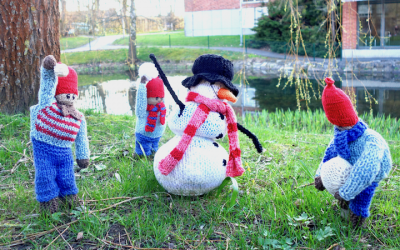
106 43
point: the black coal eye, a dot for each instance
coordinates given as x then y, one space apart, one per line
156 98
68 96
73 97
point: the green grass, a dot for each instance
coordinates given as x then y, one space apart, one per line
275 207
162 54
73 42
179 39
92 79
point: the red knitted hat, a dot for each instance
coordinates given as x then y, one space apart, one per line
155 88
337 105
68 84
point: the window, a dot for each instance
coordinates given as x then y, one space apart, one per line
392 24
369 24
379 23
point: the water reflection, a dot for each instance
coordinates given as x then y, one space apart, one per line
119 96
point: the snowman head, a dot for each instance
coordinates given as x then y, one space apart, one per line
216 71
215 90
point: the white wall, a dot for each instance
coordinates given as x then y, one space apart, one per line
371 53
221 22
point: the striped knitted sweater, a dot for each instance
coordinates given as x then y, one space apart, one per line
370 159
142 114
50 126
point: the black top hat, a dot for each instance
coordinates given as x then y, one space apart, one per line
212 68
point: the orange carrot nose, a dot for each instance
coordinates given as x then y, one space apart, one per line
227 95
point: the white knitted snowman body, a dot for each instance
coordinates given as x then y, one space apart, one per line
203 165
334 174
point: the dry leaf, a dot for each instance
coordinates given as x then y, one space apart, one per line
79 236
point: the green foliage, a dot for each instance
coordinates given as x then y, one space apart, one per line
278 28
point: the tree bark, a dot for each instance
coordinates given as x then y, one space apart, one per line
29 31
62 23
132 43
124 9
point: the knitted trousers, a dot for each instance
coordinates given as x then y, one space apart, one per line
54 175
148 144
361 203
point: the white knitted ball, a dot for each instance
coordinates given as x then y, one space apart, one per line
148 70
334 173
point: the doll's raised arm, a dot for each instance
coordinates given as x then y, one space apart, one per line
166 83
50 70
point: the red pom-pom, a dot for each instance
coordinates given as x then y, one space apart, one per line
329 81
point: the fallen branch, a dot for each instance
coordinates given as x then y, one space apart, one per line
61 234
334 245
36 235
115 198
125 246
305 185
376 237
55 239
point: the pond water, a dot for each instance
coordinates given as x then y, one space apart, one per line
261 92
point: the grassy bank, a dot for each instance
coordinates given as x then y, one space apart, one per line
162 54
73 42
276 207
179 39
92 79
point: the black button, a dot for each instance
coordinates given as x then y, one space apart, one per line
224 162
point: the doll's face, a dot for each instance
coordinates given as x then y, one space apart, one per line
344 128
66 99
154 100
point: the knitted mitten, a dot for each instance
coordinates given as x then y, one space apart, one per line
82 163
49 206
318 183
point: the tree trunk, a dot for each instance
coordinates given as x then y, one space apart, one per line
62 23
132 43
124 9
29 31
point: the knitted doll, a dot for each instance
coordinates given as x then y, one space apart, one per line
150 111
193 163
55 125
356 160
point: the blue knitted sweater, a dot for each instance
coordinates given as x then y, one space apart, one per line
142 113
368 154
49 126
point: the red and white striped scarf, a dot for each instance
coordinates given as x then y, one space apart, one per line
234 167
152 116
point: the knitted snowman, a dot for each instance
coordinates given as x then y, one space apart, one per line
150 110
193 163
356 160
55 126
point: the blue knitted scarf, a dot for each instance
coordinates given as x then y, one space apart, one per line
342 139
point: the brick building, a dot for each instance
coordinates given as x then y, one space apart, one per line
222 17
371 29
